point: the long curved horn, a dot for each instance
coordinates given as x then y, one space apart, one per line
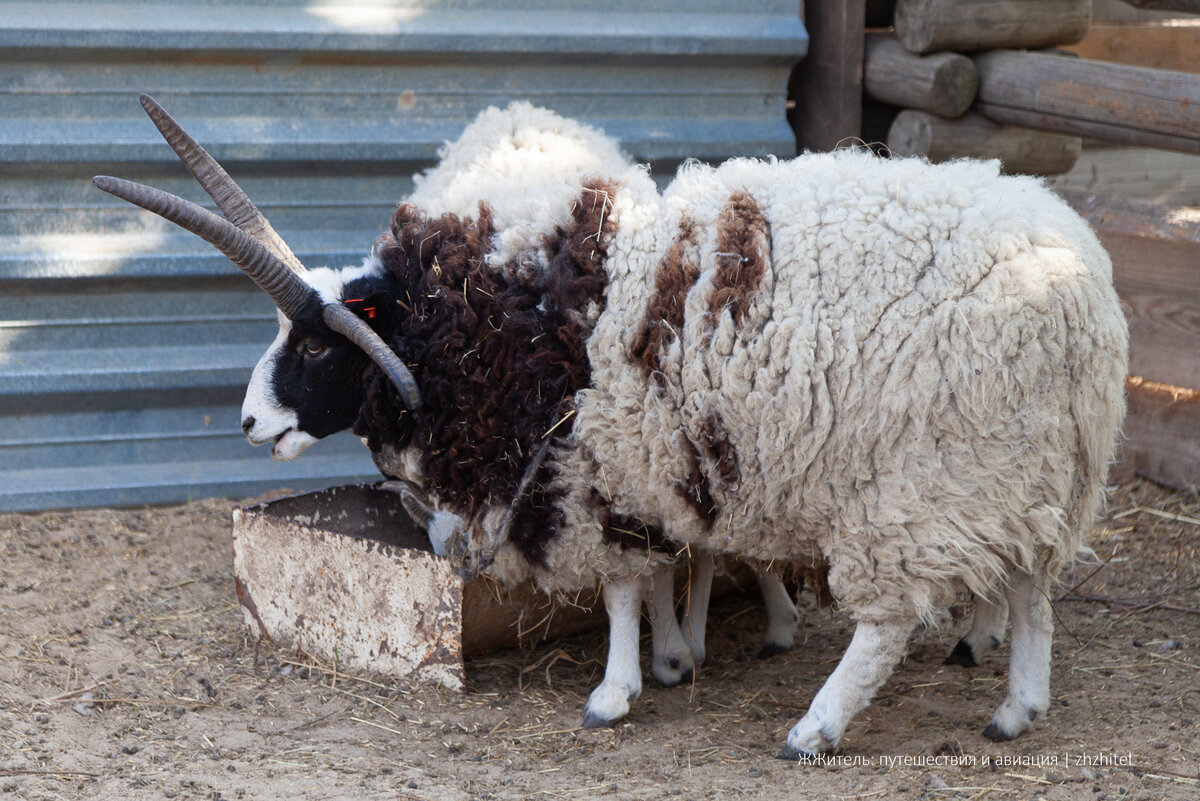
354 328
290 292
234 203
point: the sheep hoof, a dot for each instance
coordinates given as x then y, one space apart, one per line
608 703
997 734
793 754
593 721
771 649
963 654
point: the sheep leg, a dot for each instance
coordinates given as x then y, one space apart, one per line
782 617
622 683
874 652
988 621
699 592
671 660
1029 661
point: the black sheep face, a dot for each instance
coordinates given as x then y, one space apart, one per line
310 383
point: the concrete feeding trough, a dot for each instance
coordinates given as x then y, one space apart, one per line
344 575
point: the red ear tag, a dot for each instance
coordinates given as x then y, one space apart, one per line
370 310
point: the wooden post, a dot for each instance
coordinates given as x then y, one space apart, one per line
942 83
827 84
1113 102
918 133
928 25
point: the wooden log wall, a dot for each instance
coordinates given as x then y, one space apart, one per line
1032 111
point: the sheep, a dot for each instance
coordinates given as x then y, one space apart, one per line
546 156
909 376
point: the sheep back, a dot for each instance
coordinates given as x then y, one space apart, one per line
914 372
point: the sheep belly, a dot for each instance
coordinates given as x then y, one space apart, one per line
915 370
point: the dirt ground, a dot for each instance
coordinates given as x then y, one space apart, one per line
126 673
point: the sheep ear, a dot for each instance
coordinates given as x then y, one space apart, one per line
234 203
291 293
354 328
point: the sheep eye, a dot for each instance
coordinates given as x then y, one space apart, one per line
312 348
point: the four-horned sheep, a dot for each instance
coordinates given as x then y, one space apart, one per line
907 376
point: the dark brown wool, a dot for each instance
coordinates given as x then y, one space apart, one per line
743 252
629 532
695 488
717 447
495 371
676 274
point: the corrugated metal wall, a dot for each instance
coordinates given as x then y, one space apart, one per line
125 345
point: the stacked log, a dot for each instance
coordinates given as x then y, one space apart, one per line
1028 109
935 88
926 26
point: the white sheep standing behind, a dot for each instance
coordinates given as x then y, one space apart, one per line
917 369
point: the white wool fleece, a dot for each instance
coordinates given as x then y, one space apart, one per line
528 163
924 387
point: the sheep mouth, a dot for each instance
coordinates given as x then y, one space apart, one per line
290 444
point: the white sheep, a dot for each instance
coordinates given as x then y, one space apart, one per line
908 375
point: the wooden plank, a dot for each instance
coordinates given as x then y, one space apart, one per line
1021 150
827 85
941 83
1156 176
1114 102
926 26
1156 270
1162 434
1187 6
1171 46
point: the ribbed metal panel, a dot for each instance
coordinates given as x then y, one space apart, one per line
125 345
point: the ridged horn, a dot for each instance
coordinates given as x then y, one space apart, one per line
234 203
355 329
289 291
412 502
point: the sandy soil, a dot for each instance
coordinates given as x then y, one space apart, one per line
125 672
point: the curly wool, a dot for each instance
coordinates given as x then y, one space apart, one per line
921 387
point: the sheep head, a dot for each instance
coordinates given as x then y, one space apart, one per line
302 387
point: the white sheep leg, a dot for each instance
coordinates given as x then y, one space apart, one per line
782 617
988 622
1029 662
671 660
874 652
695 618
622 674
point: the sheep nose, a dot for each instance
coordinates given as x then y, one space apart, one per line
247 424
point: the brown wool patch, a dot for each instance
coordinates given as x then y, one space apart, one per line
695 489
716 444
629 532
743 252
676 274
495 371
